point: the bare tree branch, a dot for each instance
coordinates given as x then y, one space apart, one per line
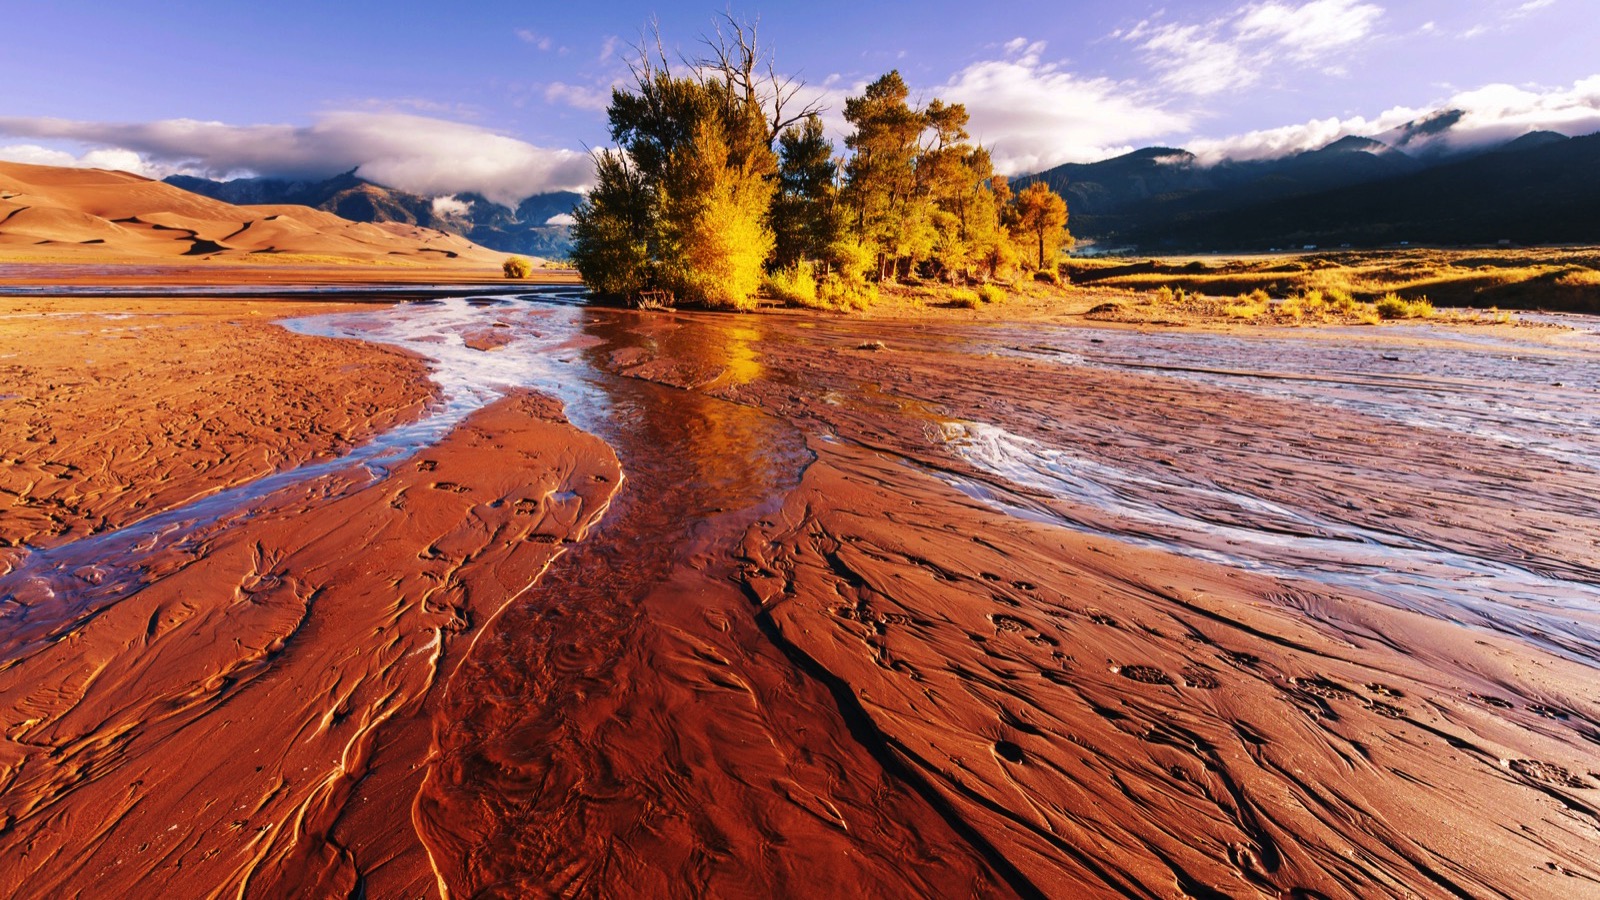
736 55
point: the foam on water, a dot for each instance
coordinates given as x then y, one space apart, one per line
1514 392
1203 521
541 354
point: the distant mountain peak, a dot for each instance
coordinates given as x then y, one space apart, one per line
525 229
1535 139
1354 143
1162 155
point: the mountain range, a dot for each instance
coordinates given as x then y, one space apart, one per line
1537 189
1408 185
526 229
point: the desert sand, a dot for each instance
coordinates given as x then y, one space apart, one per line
50 214
696 604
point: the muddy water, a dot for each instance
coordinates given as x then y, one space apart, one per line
1534 404
625 727
633 724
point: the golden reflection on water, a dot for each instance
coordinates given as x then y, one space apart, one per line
741 365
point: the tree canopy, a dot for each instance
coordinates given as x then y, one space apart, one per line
718 180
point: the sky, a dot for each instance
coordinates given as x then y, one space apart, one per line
508 98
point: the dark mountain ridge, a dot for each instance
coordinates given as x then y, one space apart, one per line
1162 198
1529 191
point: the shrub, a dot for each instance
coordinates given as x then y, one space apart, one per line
517 267
1341 301
1047 276
794 286
991 293
965 298
847 294
1393 306
1249 306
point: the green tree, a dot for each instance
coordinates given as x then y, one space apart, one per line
1041 216
612 235
880 177
805 218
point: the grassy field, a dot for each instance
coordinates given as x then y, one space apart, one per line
1557 279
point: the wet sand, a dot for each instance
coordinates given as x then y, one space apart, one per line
675 604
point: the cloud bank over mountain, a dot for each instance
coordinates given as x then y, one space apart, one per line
424 155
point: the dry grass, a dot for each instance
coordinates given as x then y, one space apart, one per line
1526 279
1335 306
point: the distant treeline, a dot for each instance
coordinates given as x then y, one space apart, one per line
718 182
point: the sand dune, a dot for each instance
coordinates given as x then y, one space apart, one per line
53 213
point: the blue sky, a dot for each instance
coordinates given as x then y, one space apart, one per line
505 97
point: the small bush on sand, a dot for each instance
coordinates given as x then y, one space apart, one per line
991 293
1393 306
964 298
1248 306
1047 276
847 294
794 286
517 267
1341 301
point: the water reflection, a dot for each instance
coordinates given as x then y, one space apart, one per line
539 743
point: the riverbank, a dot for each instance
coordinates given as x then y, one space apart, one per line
788 603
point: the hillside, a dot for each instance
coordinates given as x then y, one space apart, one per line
1356 190
50 212
1110 199
1539 189
526 229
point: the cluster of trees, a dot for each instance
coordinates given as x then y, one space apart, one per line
718 182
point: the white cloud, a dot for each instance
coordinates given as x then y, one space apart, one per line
561 219
1491 114
115 158
1232 52
1190 59
414 153
1274 142
450 205
529 36
1034 114
1312 30
578 96
1531 7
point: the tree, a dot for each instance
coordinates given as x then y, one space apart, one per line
880 177
612 234
1041 215
717 213
685 202
805 219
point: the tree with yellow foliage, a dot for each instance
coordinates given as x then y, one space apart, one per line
1041 216
683 204
717 181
